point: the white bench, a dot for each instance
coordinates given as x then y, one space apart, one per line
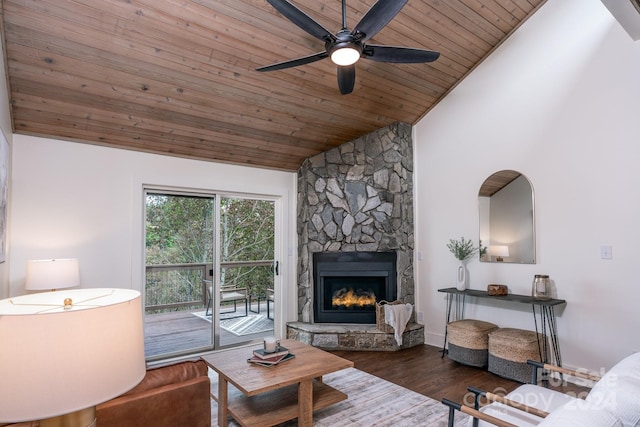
614 401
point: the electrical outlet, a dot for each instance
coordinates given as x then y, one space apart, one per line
420 316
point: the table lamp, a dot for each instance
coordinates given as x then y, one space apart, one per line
499 251
65 352
52 274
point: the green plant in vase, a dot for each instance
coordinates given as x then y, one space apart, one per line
463 250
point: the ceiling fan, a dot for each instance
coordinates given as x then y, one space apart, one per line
346 47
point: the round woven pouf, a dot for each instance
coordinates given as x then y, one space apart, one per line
468 341
509 350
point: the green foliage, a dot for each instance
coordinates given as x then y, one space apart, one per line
482 250
247 231
180 230
462 249
247 234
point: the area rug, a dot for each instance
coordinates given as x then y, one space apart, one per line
372 402
244 325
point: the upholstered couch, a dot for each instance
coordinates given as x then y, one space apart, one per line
614 401
168 396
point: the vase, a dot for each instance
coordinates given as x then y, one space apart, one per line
461 277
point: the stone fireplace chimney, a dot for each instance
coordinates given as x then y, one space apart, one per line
354 198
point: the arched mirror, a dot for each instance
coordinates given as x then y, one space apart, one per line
507 232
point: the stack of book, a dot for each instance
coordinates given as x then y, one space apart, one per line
262 358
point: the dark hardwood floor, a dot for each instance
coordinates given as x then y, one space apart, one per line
420 368
423 370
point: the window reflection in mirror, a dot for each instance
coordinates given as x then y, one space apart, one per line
507 219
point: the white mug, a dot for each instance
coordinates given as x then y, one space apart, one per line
270 344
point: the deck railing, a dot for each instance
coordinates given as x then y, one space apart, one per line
173 287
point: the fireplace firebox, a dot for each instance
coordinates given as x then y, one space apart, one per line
347 285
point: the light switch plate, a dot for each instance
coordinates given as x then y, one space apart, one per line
605 252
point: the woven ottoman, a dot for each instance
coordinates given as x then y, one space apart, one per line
468 341
509 350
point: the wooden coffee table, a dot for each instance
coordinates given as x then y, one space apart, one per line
259 396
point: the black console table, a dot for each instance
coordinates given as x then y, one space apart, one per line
544 309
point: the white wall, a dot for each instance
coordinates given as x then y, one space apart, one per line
85 201
6 129
557 102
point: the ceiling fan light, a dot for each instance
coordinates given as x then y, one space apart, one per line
345 56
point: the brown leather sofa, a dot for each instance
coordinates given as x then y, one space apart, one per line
168 396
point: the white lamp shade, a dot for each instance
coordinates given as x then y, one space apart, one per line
48 274
55 361
499 250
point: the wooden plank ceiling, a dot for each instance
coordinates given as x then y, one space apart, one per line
497 182
177 77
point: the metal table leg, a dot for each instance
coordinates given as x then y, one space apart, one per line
258 298
446 325
553 332
549 331
458 314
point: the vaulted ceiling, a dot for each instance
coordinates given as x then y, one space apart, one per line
177 77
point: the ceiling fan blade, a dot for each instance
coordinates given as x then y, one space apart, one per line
301 19
376 18
294 62
399 55
346 79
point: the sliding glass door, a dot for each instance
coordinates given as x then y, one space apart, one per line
209 271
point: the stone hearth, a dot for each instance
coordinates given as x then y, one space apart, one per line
352 198
353 337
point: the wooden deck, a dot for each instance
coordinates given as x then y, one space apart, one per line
181 331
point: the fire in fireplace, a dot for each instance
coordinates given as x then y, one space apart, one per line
348 298
348 284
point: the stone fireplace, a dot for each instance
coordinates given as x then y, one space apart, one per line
348 284
356 198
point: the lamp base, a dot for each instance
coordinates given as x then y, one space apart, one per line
81 418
